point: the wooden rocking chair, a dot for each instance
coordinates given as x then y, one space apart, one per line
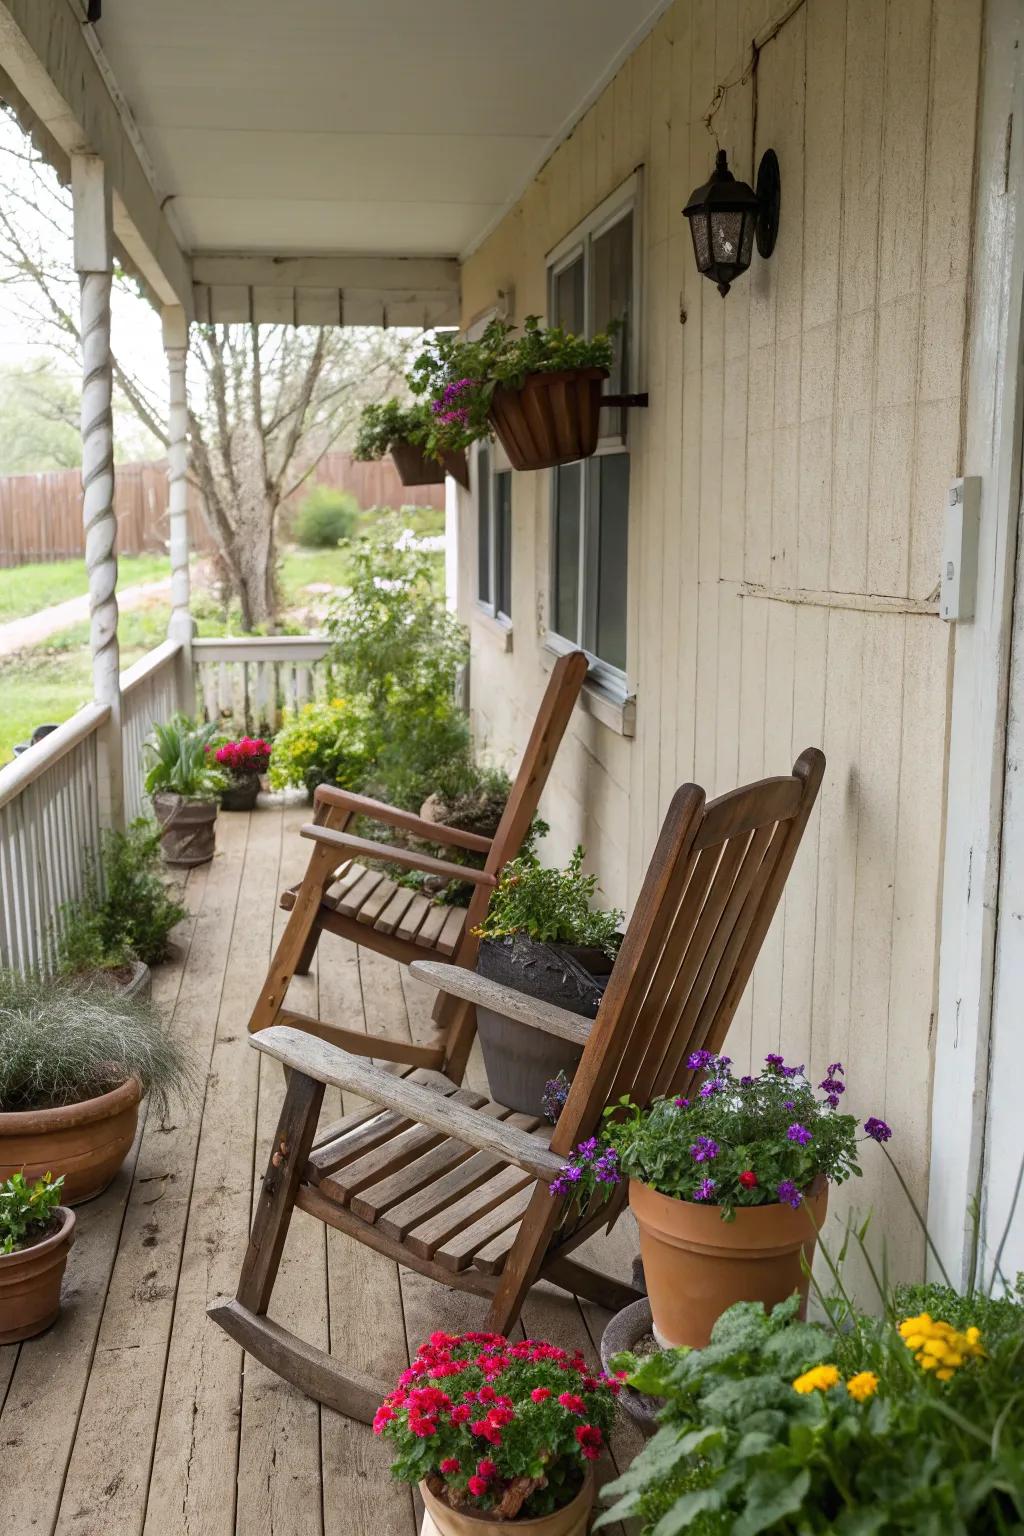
454 1186
340 894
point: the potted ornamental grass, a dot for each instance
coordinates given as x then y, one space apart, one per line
402 430
538 392
729 1186
243 762
495 1432
541 936
36 1233
75 1062
183 781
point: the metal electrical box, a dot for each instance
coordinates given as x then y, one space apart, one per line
960 549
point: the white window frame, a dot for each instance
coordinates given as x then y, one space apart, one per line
499 465
626 199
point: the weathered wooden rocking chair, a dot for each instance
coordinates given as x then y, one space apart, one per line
456 1187
340 894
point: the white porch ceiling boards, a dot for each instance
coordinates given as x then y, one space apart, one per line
383 127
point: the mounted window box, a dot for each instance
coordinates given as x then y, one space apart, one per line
553 419
415 468
401 430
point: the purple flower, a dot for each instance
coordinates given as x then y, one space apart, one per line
877 1129
606 1169
789 1194
698 1060
681 1103
704 1149
774 1061
832 1087
712 1086
587 1149
724 1062
705 1190
799 1133
556 1091
792 1071
787 1103
746 1082
834 1067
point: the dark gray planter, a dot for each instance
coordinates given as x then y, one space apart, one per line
624 1332
520 1060
241 793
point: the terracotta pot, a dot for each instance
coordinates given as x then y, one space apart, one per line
571 1520
86 1142
697 1265
415 468
241 793
555 418
30 1282
187 828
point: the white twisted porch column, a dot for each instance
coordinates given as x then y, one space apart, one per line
93 242
182 626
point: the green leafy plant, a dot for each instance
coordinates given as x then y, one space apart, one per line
27 1211
178 759
127 909
459 377
326 518
62 1041
550 906
384 423
323 743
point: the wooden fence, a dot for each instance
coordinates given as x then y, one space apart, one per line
41 514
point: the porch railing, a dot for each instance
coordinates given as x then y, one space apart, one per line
251 680
150 692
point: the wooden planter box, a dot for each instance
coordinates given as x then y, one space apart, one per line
553 419
415 468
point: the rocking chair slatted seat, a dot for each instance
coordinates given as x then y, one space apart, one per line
452 1185
345 892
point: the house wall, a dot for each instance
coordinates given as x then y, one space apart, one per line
788 483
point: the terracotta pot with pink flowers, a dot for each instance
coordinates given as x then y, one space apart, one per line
495 1432
244 762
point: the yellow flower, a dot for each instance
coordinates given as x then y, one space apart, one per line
937 1346
818 1379
862 1386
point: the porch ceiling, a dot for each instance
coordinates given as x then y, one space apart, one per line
392 128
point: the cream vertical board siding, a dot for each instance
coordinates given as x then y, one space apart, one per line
788 482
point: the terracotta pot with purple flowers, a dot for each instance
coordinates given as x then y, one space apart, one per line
729 1186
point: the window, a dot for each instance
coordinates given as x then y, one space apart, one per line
592 282
494 534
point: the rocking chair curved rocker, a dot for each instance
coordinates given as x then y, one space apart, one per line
455 1186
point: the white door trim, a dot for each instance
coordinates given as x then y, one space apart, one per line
980 649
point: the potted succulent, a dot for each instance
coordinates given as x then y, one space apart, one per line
243 761
538 392
401 430
729 1186
75 1061
496 1433
542 937
36 1233
183 783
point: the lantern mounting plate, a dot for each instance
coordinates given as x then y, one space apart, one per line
769 197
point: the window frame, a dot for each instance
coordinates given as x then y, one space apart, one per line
497 465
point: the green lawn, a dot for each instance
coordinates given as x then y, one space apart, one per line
25 589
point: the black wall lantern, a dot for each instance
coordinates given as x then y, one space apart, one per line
725 216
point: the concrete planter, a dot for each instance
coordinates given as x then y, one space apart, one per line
187 828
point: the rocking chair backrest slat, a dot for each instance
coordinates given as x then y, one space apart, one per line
710 893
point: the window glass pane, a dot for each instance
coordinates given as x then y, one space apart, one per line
503 542
567 297
612 553
612 290
567 550
483 508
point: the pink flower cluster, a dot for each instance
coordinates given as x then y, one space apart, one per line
250 755
446 408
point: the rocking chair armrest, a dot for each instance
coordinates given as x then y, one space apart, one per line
426 1106
473 988
407 821
407 858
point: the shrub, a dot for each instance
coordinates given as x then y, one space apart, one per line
177 758
387 422
62 1042
27 1211
127 910
326 518
551 906
321 744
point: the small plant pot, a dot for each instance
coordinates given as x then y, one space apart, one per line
571 1520
30 1281
85 1142
241 793
624 1331
697 1266
555 418
415 468
187 828
520 1060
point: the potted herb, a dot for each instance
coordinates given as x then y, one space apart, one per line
36 1233
729 1186
243 761
121 924
542 937
75 1062
498 1433
183 783
538 392
402 431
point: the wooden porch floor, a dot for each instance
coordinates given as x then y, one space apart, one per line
135 1414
